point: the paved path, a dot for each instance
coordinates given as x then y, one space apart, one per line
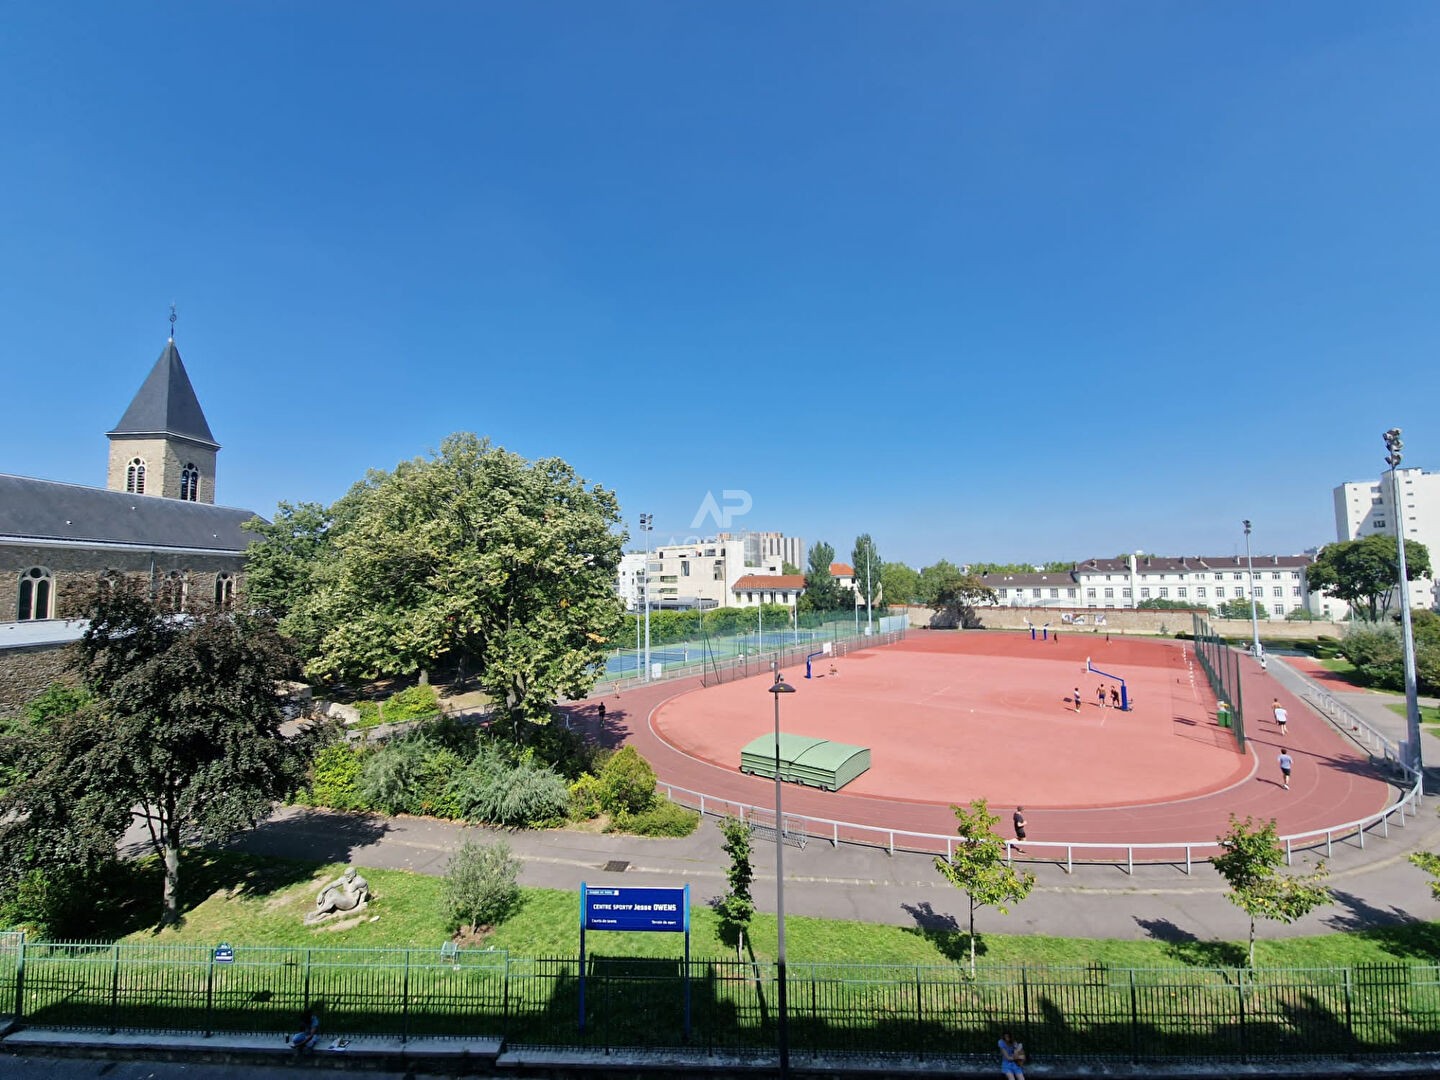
1374 887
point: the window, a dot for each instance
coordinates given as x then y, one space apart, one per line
1164 591
1182 591
1295 590
135 477
190 483
1219 592
1200 592
1275 575
1279 590
37 590
172 590
1279 609
684 567
1109 594
1144 594
224 590
1004 593
1054 594
1070 593
719 570
1036 593
1090 593
1237 577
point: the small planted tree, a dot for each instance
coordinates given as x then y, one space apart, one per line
627 783
978 866
736 908
480 885
1251 866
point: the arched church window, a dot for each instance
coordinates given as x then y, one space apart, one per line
37 594
172 592
190 483
135 476
224 590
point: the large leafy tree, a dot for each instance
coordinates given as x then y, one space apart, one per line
869 569
953 593
282 564
978 866
1365 572
1239 608
479 558
899 584
821 590
1250 865
181 730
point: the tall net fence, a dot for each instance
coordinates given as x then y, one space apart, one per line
1221 665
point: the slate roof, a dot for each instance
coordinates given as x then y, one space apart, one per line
48 510
166 404
1158 564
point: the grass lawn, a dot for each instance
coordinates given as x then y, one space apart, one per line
248 900
1429 714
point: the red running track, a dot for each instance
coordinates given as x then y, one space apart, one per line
1164 772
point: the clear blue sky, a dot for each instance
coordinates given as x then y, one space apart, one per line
990 281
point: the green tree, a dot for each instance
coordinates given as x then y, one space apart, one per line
184 726
1155 603
953 593
1364 572
736 908
1052 567
899 584
1251 864
790 568
481 885
869 570
820 588
1239 608
282 565
978 868
627 783
479 558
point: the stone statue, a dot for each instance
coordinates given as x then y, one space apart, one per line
349 892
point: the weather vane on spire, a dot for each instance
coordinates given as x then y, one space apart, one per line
172 320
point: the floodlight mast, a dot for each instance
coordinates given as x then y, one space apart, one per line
1394 448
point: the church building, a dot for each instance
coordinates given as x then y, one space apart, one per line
155 521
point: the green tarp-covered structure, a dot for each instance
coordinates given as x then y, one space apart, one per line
806 760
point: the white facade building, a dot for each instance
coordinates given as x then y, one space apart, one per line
688 576
1278 583
1368 507
765 548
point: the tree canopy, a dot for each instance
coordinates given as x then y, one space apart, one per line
1239 608
1365 572
978 866
282 563
1051 567
869 570
953 593
473 557
821 591
900 584
182 723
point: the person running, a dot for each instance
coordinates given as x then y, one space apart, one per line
1285 765
1019 819
1281 717
1012 1056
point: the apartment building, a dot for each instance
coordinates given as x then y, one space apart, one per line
1367 507
764 548
1205 581
701 574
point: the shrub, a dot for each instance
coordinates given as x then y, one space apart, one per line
334 779
493 790
665 818
480 885
392 775
56 700
627 783
418 702
585 797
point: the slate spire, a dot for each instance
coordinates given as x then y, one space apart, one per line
166 404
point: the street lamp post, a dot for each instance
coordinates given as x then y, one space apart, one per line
1393 447
869 591
1254 616
647 523
782 1031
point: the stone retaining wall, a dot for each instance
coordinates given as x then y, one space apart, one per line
1131 621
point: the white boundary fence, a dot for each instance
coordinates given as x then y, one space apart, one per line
1180 853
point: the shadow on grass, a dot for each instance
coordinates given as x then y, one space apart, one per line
1184 947
942 930
1394 930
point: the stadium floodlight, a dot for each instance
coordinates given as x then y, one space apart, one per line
782 1032
1254 615
1393 457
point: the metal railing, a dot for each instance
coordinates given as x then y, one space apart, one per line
1114 852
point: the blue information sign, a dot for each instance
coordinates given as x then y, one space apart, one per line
606 908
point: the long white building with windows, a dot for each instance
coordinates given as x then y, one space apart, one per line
1204 581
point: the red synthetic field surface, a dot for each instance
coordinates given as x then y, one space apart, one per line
946 724
1163 772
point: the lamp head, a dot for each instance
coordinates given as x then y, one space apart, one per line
780 686
1395 446
1246 523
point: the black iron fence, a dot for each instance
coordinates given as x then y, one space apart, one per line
1093 1012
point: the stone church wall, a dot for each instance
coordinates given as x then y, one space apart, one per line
27 671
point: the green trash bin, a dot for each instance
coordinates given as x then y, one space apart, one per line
1222 714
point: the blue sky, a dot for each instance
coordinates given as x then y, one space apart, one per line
1019 281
